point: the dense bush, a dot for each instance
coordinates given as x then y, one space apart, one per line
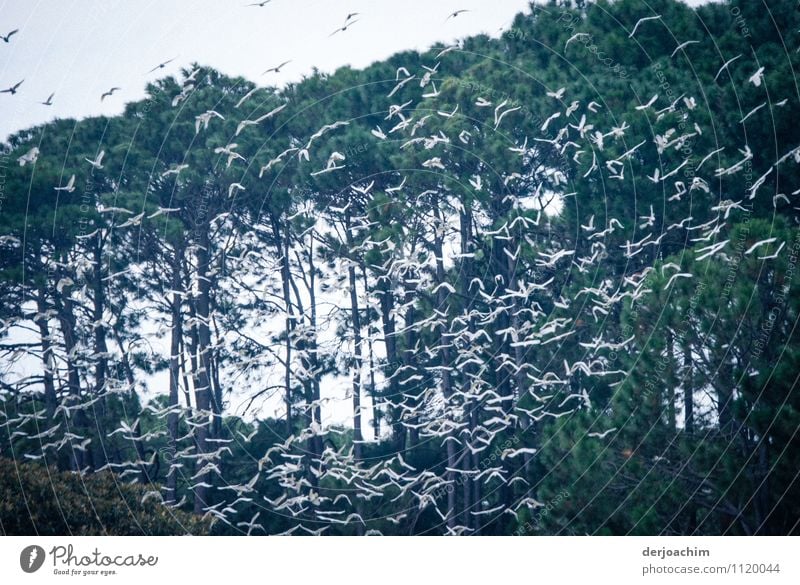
35 499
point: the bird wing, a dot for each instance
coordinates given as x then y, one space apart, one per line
270 114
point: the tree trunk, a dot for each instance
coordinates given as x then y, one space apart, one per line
409 364
688 422
100 346
316 411
386 298
442 306
688 390
376 419
670 382
203 389
282 244
761 503
48 361
174 378
357 366
305 344
67 321
100 350
136 435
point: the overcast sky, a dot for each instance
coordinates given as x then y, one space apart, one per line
80 48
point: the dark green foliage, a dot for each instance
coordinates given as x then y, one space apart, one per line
37 500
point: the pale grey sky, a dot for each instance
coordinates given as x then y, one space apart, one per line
80 48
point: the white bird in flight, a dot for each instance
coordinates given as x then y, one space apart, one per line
725 66
640 21
245 123
69 187
229 151
683 46
601 435
233 187
331 164
573 38
97 163
759 244
757 77
29 157
204 118
775 255
648 104
246 96
176 170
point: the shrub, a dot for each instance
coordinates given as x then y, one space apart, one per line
39 500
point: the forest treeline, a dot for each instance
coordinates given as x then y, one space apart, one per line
553 274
